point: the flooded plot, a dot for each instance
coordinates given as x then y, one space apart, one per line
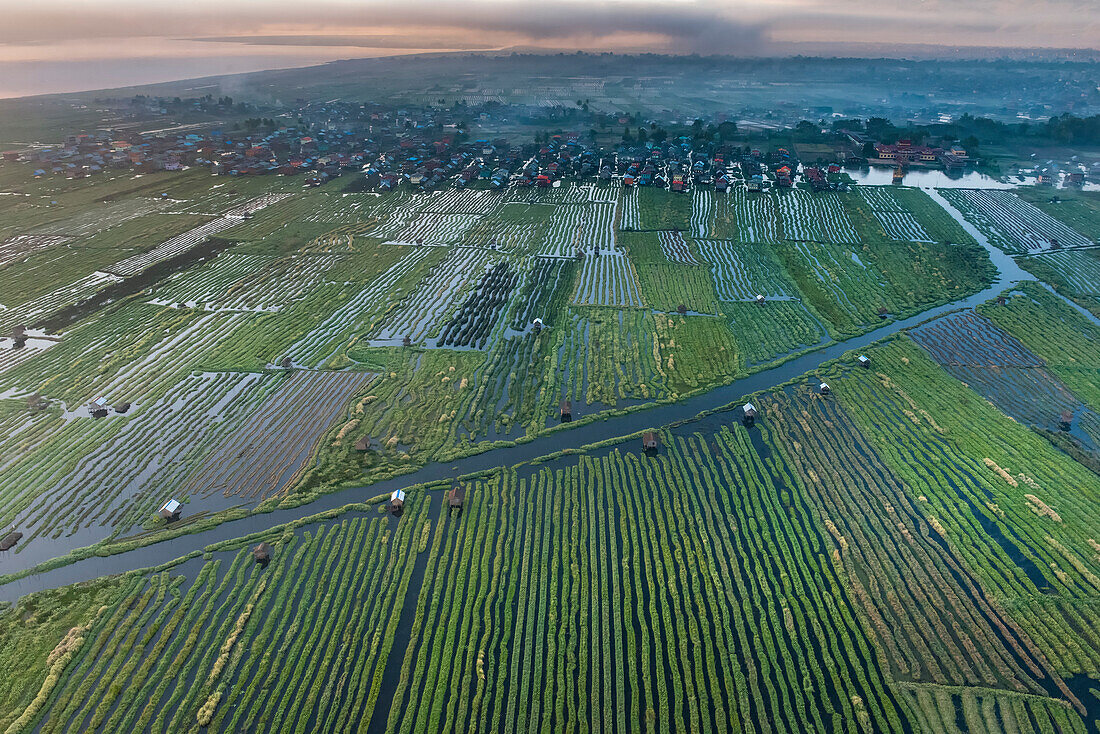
428 229
742 272
322 340
630 217
1012 223
419 314
815 217
37 310
570 192
676 248
264 457
12 356
743 216
515 227
563 237
234 282
850 285
472 324
126 474
102 217
896 220
460 201
965 338
19 248
544 286
1080 269
607 279
702 211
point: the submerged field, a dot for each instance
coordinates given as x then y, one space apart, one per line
914 550
230 323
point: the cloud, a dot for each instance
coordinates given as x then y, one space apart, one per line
685 26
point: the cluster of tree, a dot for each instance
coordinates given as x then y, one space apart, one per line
972 131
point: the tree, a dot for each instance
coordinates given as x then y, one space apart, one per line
727 130
642 136
868 149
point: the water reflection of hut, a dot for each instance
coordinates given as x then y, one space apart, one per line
397 501
363 444
457 496
824 389
750 413
649 442
171 510
566 410
262 554
864 361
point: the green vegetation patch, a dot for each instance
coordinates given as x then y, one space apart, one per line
663 209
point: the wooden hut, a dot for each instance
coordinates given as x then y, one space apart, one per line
122 407
99 412
286 363
397 501
363 444
882 312
9 540
1065 420
824 389
681 309
1001 300
262 554
649 442
750 413
566 410
18 342
536 325
456 496
407 342
37 402
171 510
760 300
864 361
18 331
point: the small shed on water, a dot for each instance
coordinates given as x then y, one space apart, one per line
864 361
363 444
566 410
1065 421
649 441
171 510
456 496
397 501
750 413
262 554
760 300
824 389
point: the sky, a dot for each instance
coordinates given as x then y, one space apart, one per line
47 45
